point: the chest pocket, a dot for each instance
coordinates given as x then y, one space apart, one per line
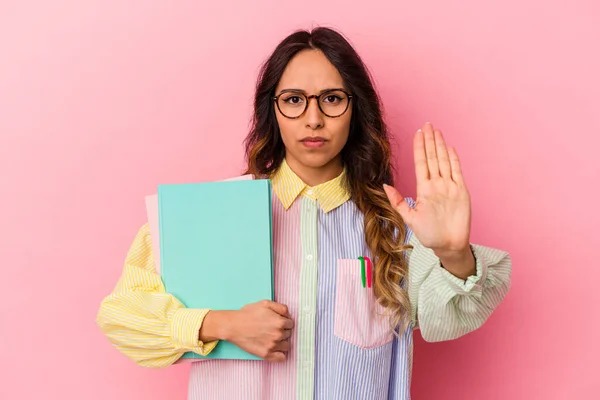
358 317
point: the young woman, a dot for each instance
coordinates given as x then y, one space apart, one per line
319 135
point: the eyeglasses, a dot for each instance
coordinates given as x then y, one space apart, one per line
293 104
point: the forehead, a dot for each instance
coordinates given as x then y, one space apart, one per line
311 71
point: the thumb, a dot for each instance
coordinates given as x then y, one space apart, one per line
397 201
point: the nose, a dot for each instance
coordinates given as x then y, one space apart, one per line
314 116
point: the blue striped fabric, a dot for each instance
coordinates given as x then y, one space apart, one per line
344 370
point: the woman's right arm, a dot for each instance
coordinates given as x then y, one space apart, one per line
154 329
142 321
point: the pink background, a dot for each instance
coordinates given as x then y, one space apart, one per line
102 101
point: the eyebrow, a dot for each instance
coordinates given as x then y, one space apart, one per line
304 91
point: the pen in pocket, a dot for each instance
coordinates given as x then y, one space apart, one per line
366 272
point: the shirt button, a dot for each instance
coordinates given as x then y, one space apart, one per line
309 257
309 191
307 310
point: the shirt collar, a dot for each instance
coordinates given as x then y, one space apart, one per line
288 187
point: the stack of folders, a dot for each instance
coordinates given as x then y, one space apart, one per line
213 247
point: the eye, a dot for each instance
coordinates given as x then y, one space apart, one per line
294 100
332 98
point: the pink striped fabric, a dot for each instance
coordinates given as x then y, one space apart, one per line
358 317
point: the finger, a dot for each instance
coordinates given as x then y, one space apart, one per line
286 334
430 152
442 155
283 346
421 168
278 308
276 356
288 324
457 175
397 201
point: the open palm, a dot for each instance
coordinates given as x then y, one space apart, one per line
441 218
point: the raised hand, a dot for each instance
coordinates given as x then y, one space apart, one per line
441 219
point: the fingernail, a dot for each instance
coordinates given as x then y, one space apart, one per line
419 131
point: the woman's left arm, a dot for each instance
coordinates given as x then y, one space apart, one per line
453 285
445 306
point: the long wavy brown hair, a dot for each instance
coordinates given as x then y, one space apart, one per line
366 157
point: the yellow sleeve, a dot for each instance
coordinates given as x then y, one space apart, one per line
142 321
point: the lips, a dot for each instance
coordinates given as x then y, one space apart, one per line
313 142
313 139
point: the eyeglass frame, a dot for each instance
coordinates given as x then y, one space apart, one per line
313 96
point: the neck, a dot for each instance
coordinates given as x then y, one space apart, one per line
315 176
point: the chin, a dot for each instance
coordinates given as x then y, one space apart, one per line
316 161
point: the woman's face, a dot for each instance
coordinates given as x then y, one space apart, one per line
314 140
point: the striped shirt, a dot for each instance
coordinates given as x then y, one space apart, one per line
341 348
